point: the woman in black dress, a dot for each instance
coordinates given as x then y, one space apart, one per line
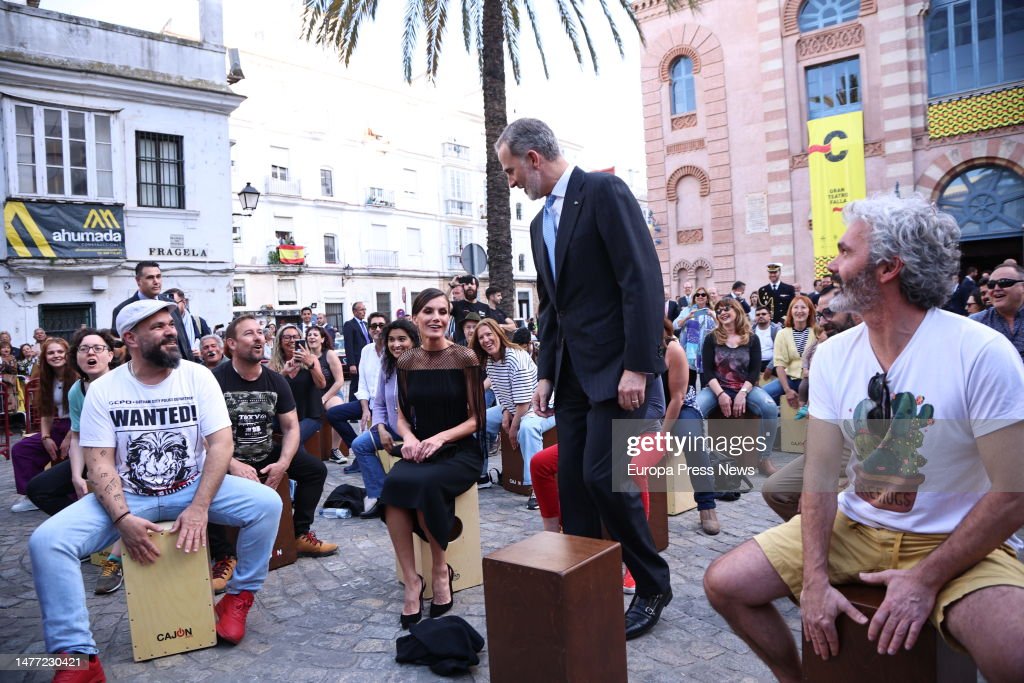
441 422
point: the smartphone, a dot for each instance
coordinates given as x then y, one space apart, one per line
300 344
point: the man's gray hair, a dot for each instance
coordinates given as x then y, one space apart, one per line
525 134
924 238
220 342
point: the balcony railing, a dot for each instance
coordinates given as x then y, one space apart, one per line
288 187
454 150
378 196
455 263
382 258
454 207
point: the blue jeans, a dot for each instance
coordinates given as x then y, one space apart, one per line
531 435
774 388
690 424
85 527
365 449
340 416
758 402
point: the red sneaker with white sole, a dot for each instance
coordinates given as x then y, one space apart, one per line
231 613
94 674
628 584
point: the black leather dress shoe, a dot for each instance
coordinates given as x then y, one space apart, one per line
644 612
372 513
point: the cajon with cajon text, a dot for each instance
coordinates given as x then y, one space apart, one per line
793 431
170 602
512 476
463 553
554 610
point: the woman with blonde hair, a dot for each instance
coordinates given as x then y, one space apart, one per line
30 455
301 370
732 363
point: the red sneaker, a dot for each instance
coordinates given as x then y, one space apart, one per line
231 613
628 584
94 674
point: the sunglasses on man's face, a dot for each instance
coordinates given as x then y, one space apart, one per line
1003 282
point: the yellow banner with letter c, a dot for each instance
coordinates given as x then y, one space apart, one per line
835 160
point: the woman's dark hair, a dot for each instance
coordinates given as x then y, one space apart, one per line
387 361
76 341
325 341
426 296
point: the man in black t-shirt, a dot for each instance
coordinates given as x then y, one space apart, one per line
493 295
469 304
257 397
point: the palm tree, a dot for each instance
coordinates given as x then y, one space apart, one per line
491 26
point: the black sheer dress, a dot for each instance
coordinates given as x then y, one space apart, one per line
436 390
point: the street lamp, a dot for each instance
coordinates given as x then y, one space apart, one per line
346 274
248 198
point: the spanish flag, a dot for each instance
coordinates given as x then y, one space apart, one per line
292 255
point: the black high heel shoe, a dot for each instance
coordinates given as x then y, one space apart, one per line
408 620
437 610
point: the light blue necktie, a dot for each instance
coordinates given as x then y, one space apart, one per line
550 230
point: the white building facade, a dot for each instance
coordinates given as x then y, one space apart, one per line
115 149
380 182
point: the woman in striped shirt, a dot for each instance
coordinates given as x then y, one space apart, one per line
513 376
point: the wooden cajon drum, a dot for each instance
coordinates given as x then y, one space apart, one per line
679 494
284 552
658 519
170 602
794 432
930 661
463 550
512 475
554 610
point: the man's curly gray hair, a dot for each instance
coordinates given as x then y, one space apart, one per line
924 238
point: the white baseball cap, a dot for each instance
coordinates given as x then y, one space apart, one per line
137 311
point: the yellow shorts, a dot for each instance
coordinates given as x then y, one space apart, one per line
858 548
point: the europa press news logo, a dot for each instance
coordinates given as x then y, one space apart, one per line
174 635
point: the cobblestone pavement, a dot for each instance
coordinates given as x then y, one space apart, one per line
335 619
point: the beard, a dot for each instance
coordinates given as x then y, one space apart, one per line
161 358
858 294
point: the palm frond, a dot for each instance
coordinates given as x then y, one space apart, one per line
435 15
409 27
510 19
528 4
628 7
570 29
576 6
615 29
467 25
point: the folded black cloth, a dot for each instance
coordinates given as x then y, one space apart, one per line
347 496
447 645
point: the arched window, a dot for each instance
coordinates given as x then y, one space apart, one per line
683 99
817 14
973 44
986 201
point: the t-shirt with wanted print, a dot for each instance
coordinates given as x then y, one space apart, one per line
156 431
252 407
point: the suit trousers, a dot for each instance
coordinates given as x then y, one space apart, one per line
585 481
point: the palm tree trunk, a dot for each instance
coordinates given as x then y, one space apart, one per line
499 231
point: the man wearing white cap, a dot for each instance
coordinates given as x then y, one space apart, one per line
157 441
776 295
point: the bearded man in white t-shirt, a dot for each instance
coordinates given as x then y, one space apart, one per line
932 407
157 439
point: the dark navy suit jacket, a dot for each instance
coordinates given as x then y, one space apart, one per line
605 307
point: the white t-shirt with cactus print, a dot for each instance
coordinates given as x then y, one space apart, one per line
955 381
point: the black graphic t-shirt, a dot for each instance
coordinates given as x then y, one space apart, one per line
253 406
156 431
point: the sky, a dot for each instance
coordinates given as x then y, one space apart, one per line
601 113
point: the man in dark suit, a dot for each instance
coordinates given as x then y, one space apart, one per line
356 337
671 309
776 295
149 279
600 335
